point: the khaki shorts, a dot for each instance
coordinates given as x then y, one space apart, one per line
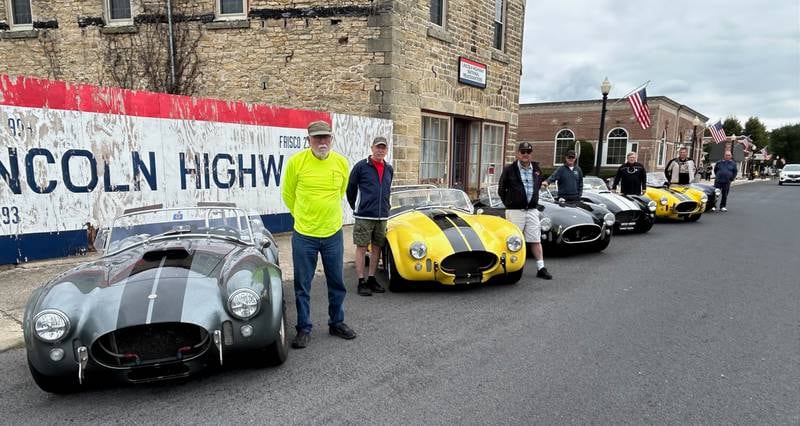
528 223
366 232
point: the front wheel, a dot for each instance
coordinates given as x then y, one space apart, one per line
602 244
780 183
277 352
645 227
54 384
397 284
513 277
693 217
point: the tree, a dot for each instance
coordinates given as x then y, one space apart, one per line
586 159
785 142
757 132
732 126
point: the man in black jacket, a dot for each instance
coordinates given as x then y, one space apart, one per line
519 189
633 177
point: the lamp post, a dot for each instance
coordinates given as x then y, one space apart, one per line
695 123
605 87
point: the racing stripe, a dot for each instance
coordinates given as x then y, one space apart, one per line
168 306
449 229
469 234
133 303
154 290
624 203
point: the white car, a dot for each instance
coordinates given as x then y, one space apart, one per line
789 174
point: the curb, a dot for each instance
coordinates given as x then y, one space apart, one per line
14 343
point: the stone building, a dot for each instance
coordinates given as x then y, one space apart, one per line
554 127
446 72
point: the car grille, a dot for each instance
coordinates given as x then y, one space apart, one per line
627 216
580 234
150 344
686 207
468 263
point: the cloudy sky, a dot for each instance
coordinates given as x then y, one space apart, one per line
722 58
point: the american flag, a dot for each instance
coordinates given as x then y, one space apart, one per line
717 132
638 101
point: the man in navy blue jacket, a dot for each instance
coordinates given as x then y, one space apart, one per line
725 172
368 193
569 178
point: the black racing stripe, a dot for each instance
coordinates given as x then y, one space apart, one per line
439 217
133 304
168 306
472 237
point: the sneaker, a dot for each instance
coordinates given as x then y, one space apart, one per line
300 341
713 209
375 286
543 274
363 289
343 331
724 209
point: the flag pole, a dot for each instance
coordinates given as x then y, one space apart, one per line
634 90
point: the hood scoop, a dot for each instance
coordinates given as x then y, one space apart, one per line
166 252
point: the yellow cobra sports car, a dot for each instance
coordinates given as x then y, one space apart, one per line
680 202
433 235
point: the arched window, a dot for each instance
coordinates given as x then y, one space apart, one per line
565 140
662 149
617 147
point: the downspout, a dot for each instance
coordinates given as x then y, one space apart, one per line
171 47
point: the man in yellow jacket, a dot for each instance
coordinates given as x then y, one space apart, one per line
314 185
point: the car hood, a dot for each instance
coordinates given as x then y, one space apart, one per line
566 215
456 230
613 202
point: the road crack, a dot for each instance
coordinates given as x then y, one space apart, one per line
11 317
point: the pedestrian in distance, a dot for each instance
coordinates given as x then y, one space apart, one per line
680 170
314 185
519 187
368 192
632 176
569 178
725 172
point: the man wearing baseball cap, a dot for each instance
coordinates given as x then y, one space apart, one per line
368 191
314 184
569 177
519 189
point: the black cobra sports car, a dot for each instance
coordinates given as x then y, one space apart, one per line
633 213
566 228
711 192
176 290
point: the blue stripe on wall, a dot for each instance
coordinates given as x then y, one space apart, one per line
47 245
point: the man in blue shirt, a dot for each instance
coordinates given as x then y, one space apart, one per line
724 173
569 178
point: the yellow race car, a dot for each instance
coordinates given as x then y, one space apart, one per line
678 202
433 235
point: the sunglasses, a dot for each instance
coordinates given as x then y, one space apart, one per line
571 157
525 151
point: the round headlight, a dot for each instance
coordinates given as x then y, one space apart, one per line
50 325
651 206
418 250
704 198
663 201
244 303
608 218
545 224
514 243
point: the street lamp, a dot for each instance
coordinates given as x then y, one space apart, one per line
605 87
695 123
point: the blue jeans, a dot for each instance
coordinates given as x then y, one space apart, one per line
724 187
304 256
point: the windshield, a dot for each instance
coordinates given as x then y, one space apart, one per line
493 196
791 168
138 227
656 179
594 182
406 200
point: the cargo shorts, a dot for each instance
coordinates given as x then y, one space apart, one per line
366 232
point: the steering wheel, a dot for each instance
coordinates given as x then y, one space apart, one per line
225 230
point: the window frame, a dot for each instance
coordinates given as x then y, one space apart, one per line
10 16
219 16
503 24
446 164
499 162
558 160
117 21
608 144
443 24
662 150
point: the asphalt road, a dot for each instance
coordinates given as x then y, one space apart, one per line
690 323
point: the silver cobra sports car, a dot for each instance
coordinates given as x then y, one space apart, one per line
176 290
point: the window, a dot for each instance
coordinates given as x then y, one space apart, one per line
20 15
565 140
438 12
494 138
118 11
434 152
499 24
617 147
662 149
231 9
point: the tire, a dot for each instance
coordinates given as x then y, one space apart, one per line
645 227
54 384
694 217
513 277
602 244
397 284
276 353
780 183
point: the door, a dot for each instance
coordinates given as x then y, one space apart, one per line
460 154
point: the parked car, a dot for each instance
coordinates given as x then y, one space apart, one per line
632 213
713 194
789 174
566 228
433 236
176 290
677 202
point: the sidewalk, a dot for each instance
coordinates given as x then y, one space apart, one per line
18 281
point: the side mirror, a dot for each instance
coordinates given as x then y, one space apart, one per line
540 207
265 243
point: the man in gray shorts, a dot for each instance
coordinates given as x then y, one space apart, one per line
368 193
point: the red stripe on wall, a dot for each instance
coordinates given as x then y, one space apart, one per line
39 93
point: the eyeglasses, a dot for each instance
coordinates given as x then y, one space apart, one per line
571 157
525 151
